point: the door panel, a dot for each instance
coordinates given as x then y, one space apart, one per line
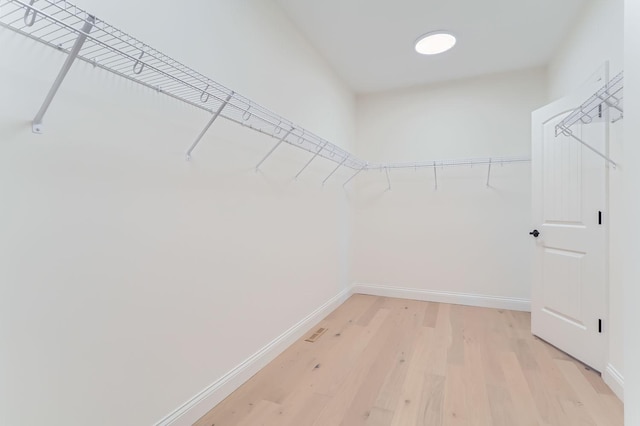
569 189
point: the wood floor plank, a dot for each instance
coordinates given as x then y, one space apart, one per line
356 394
368 315
547 400
525 355
407 407
257 415
432 401
455 409
379 417
386 361
587 394
390 391
577 415
338 366
301 408
456 349
431 314
503 411
595 380
519 390
381 357
614 408
476 394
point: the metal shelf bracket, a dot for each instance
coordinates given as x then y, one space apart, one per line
335 170
206 128
309 162
386 170
273 149
435 176
354 175
36 126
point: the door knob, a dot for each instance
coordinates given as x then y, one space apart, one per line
535 233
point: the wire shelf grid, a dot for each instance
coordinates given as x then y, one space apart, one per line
59 24
449 163
609 96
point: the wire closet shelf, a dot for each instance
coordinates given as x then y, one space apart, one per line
595 109
64 26
609 96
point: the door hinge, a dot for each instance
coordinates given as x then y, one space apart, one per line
599 217
599 326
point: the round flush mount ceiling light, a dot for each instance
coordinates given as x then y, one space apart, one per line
435 42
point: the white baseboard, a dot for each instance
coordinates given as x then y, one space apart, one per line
614 380
509 303
199 405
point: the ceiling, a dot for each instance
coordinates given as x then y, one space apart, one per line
370 43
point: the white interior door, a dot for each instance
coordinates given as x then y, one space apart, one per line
569 294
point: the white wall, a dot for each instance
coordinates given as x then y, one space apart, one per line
131 279
598 36
631 183
464 237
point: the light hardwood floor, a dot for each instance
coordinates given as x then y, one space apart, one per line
388 361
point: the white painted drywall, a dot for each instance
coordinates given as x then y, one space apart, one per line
464 237
131 279
598 36
631 183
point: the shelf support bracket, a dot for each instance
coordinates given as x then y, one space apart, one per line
335 170
354 175
386 170
312 158
36 125
206 128
568 132
273 149
489 173
435 176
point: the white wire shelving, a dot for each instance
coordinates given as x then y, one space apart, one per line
594 109
65 27
438 164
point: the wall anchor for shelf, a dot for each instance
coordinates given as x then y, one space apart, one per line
206 128
36 126
273 149
335 170
312 158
